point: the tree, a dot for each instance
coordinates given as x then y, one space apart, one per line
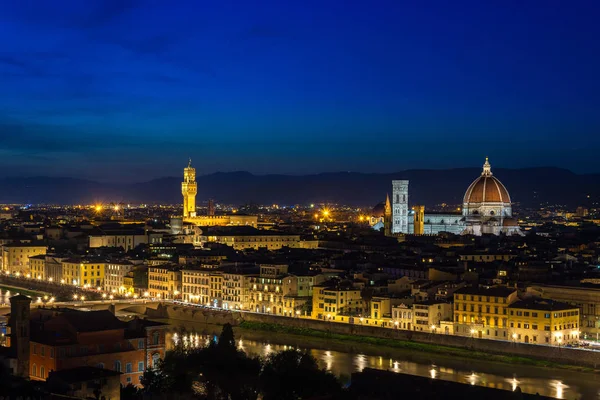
217 372
291 375
228 373
130 392
227 339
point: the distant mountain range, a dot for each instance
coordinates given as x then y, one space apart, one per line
529 187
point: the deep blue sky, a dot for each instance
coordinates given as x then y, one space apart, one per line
122 90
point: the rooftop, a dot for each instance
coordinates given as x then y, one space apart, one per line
494 291
542 305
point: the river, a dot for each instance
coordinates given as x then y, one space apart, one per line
343 359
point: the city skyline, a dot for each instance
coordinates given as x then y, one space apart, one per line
115 90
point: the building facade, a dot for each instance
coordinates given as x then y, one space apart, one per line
164 281
70 339
329 302
15 256
37 266
83 272
543 322
114 275
587 300
259 239
483 312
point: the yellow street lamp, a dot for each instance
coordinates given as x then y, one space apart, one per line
74 297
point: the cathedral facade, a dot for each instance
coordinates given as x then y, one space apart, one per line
486 209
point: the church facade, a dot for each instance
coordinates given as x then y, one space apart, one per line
486 209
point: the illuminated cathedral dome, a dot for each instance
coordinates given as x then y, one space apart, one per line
486 188
487 207
487 196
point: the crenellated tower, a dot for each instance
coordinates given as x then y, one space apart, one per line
189 189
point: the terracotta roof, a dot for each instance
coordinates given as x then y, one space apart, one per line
486 189
90 321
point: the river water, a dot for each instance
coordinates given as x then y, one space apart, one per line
343 359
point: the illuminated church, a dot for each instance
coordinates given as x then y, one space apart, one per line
486 210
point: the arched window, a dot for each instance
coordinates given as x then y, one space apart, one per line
397 198
42 372
155 338
118 366
100 365
34 370
404 198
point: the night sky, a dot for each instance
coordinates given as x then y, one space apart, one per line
128 90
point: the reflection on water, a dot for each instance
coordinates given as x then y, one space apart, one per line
345 363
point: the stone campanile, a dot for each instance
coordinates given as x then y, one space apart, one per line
189 189
19 333
400 206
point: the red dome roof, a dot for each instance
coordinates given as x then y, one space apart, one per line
486 189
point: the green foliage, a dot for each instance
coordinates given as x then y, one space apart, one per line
130 392
222 372
292 375
226 339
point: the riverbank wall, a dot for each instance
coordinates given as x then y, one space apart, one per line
560 355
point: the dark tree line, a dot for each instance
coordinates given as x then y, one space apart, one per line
222 372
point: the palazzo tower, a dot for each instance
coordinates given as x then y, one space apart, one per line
189 189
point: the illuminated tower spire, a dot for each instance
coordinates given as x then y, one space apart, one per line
189 189
387 217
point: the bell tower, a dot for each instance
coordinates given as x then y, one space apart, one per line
19 333
189 189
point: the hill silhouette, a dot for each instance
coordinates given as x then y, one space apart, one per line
527 187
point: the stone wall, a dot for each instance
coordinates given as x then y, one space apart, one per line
548 353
